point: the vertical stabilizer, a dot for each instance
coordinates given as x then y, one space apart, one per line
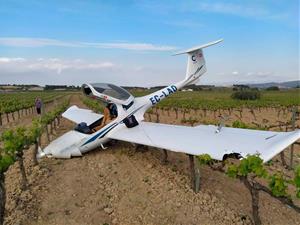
196 62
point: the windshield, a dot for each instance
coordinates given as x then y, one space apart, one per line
112 91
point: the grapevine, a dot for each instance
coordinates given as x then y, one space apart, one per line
250 171
15 141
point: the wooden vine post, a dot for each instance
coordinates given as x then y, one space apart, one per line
165 156
2 196
36 132
195 174
176 112
58 120
47 132
13 116
283 162
295 116
157 117
192 171
24 181
149 114
37 143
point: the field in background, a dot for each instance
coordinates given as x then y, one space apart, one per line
221 99
124 186
274 110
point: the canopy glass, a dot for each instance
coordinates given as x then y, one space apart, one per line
111 90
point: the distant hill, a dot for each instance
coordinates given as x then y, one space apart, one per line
288 84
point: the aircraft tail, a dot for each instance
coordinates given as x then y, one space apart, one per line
196 62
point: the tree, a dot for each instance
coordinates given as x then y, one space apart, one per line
273 88
246 95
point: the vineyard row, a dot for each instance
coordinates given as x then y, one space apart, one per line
16 108
15 141
279 118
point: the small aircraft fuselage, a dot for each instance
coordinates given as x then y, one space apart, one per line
129 124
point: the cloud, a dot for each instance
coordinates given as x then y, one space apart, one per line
8 60
265 73
77 71
259 74
131 46
44 42
56 65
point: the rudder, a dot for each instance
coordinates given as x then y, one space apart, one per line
196 62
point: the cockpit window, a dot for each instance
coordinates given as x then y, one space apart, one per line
112 91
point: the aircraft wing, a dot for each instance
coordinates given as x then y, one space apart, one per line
205 139
79 115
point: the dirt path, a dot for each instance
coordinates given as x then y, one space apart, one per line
123 186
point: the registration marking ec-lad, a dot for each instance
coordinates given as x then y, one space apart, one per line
164 93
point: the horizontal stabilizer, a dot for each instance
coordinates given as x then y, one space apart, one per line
193 49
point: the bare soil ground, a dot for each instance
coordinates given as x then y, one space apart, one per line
121 185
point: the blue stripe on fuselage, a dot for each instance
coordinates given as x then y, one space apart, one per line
99 134
106 130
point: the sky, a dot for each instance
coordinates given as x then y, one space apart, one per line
130 43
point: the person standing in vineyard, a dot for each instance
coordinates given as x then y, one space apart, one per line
38 105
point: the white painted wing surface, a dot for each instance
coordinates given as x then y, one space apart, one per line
204 139
79 115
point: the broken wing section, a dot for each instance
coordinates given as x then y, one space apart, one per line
207 140
79 115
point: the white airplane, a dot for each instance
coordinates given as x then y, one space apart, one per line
129 125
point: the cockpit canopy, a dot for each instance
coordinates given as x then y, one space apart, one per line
107 92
